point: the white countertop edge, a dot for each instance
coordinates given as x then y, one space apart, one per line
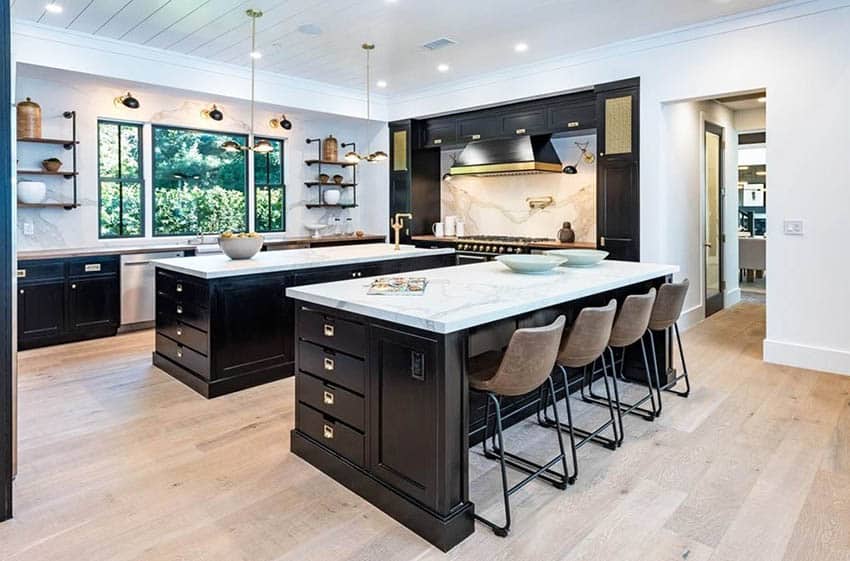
475 320
183 264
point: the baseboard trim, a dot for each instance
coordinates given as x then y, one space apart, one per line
807 356
691 317
732 297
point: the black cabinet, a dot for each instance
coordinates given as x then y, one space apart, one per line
64 300
573 115
414 179
479 127
440 132
617 170
530 121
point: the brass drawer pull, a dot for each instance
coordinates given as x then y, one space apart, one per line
438 141
179 309
179 332
179 353
475 136
22 273
520 131
179 287
328 432
328 398
329 330
92 268
573 124
329 364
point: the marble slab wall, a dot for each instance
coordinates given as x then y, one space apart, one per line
497 205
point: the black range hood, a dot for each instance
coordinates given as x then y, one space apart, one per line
508 156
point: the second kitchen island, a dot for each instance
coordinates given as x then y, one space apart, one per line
224 325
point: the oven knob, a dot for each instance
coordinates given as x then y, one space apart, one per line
477 248
501 250
461 246
487 248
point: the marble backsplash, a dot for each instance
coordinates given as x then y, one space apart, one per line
497 205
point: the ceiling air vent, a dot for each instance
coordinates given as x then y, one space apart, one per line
440 43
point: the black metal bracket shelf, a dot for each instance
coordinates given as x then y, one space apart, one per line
319 162
68 144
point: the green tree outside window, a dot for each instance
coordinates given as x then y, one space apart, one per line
269 190
120 193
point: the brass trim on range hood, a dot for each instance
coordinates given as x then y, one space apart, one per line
521 154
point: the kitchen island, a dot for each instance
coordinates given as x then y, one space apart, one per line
382 397
225 325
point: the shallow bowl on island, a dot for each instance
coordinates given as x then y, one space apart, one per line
241 248
530 263
580 257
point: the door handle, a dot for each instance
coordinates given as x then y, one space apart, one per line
602 241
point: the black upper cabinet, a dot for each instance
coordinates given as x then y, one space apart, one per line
572 115
440 132
479 127
531 121
414 178
617 169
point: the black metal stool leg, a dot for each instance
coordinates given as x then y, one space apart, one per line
570 431
669 387
657 374
500 530
617 397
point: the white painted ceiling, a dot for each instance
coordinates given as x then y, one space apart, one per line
486 31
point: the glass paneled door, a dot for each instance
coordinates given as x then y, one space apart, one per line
714 284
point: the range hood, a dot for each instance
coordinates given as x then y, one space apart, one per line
508 156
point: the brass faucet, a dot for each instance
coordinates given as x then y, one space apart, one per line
398 224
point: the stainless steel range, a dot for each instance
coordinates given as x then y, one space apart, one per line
475 249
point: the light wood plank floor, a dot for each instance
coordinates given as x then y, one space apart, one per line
119 462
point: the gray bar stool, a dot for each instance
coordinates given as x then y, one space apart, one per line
526 366
586 343
665 314
630 327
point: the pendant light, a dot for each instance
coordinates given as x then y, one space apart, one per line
261 146
379 155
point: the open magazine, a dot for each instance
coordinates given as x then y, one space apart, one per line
398 285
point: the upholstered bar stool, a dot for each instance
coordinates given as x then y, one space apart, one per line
665 314
586 343
526 366
630 327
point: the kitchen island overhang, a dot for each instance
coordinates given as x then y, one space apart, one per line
406 451
224 325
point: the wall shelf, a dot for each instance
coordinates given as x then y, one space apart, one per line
66 174
323 186
66 206
67 143
329 162
323 205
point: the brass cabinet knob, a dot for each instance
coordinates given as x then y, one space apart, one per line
329 364
74 286
22 291
328 398
179 309
179 332
328 431
179 353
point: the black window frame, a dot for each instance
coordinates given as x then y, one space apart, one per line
236 135
121 179
281 186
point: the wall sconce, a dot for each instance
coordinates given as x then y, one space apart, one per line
215 113
586 157
282 123
127 101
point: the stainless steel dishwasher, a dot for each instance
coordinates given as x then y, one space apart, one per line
138 285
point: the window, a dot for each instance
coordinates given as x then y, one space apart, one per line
120 193
269 190
197 186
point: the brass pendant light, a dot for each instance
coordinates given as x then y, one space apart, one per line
379 155
261 146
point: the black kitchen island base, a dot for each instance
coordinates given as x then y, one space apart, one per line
442 531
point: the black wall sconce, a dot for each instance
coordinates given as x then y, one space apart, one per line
215 114
283 123
127 101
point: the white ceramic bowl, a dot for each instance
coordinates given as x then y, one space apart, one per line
315 228
241 248
530 263
31 192
580 257
332 196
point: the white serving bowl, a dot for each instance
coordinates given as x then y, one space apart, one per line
241 248
580 257
530 263
31 192
332 196
315 228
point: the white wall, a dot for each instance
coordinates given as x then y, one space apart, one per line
57 91
798 52
683 165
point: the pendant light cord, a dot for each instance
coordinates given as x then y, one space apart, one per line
253 71
368 84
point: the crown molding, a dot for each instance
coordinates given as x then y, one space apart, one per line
46 46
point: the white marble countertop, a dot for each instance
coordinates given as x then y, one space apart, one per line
470 295
220 266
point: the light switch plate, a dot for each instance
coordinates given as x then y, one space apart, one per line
29 228
793 227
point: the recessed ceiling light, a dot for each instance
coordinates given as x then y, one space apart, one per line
443 67
762 100
521 47
256 54
381 83
53 8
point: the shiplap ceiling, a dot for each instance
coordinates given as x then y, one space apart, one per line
486 31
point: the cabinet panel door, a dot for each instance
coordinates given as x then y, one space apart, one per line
41 310
572 116
479 128
531 121
93 303
441 132
403 417
617 200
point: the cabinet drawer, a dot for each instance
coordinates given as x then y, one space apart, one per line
184 356
572 116
338 368
34 271
335 435
332 332
331 400
179 288
90 266
182 332
186 311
